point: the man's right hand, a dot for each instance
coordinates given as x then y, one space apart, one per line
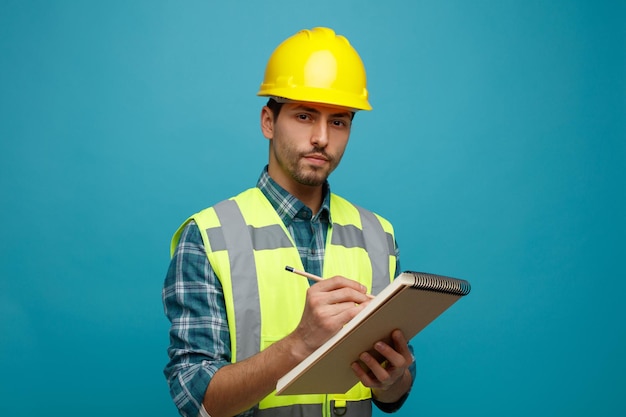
329 305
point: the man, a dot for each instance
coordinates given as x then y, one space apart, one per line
239 320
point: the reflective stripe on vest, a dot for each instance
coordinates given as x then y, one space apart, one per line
247 243
356 409
380 247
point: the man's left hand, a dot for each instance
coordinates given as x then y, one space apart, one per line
392 373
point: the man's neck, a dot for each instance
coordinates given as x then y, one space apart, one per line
311 196
312 200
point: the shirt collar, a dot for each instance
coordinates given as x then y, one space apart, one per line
286 205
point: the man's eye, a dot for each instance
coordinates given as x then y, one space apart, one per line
303 116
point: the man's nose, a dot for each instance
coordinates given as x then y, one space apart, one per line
319 134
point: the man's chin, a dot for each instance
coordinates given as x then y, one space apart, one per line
312 175
312 180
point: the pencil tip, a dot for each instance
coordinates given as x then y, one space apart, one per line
289 268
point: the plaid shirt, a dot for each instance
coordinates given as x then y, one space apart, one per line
194 300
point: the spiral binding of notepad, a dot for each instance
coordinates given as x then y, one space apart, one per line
439 283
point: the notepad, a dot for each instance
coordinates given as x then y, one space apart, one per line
409 303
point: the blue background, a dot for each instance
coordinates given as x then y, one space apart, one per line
496 146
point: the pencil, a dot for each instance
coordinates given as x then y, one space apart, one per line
311 276
304 273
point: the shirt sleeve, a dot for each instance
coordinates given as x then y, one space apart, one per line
199 338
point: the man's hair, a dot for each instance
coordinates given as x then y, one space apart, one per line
275 107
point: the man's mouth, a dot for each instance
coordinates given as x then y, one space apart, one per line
317 159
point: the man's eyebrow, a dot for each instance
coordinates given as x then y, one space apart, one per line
316 111
346 113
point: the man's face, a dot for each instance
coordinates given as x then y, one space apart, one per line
307 142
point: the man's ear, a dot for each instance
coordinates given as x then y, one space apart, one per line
267 122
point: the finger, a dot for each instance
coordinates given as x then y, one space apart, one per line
401 344
346 288
381 371
400 358
345 311
364 376
398 336
337 296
